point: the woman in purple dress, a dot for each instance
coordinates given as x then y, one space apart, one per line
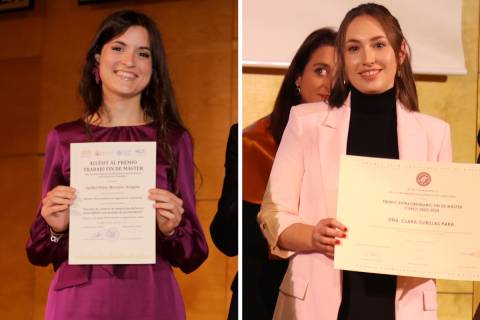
128 96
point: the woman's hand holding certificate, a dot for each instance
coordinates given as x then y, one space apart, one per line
168 208
56 207
325 234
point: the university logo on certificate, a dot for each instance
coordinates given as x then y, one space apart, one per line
112 221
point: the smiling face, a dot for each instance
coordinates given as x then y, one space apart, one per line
125 63
315 81
370 61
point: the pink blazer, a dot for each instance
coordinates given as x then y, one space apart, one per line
303 188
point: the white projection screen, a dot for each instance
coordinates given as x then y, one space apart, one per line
274 29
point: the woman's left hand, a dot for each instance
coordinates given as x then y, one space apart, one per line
169 210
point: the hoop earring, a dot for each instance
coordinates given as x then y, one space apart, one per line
298 90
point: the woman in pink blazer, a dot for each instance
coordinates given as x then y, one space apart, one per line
372 111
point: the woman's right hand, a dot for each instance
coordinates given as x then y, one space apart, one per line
56 207
325 234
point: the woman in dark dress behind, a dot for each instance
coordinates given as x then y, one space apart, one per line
307 80
224 227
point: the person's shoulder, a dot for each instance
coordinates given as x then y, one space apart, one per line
234 129
67 131
430 122
257 140
258 134
314 109
179 136
233 135
69 127
259 127
308 115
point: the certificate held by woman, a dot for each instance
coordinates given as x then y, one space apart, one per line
112 221
409 218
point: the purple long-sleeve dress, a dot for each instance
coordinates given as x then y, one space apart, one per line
148 291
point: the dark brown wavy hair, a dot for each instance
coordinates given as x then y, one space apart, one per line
157 99
287 96
404 81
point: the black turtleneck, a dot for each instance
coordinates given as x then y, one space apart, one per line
373 125
372 133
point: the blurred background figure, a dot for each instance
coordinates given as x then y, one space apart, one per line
224 227
308 79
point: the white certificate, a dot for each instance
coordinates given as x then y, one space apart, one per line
112 221
409 218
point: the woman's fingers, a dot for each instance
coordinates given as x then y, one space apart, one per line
169 206
165 205
326 245
59 195
165 200
327 241
326 234
65 188
62 191
50 201
55 209
167 214
330 232
332 222
169 209
164 196
331 228
57 200
327 250
64 194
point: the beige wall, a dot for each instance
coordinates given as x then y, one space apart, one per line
452 98
40 62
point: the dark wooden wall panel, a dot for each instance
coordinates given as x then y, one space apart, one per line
20 97
19 192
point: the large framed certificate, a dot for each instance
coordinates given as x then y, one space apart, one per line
409 218
111 220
